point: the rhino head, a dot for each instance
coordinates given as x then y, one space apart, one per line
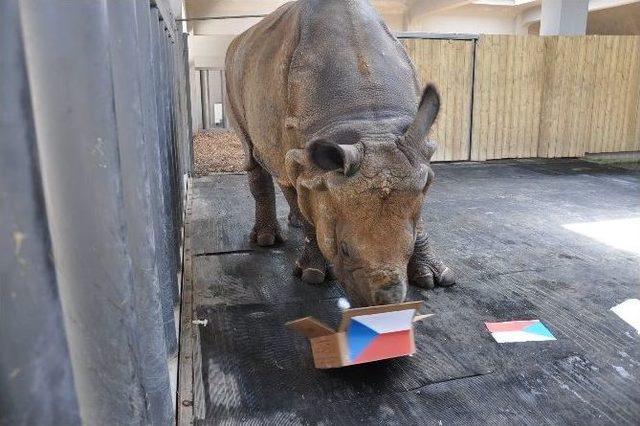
364 199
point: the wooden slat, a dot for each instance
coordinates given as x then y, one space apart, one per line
449 64
633 142
595 76
507 105
624 64
629 138
549 89
477 113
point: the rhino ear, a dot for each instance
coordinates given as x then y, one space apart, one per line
413 141
296 164
330 156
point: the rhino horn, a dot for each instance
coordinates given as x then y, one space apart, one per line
412 143
331 156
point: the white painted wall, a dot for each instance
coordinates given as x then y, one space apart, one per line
472 19
223 26
208 51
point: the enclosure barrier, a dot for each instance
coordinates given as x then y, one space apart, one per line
95 130
530 96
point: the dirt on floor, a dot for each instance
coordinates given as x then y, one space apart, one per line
217 151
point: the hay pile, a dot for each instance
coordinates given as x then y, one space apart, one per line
217 151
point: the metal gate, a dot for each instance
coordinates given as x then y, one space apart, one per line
95 148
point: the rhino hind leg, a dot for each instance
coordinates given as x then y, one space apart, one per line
266 231
311 266
425 270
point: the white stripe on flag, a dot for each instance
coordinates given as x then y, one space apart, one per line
519 336
387 322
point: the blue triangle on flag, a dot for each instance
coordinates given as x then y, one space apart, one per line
359 336
538 328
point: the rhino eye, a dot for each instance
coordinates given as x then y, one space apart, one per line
344 249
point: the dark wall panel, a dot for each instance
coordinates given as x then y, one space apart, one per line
92 165
150 348
36 383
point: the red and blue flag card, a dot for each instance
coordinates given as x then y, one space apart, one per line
519 331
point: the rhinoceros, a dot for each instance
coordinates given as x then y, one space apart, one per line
326 102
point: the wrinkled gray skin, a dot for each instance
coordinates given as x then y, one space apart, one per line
325 101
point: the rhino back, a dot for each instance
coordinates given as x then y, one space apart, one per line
347 66
314 65
257 66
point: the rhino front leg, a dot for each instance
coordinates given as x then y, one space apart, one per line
424 269
311 266
266 230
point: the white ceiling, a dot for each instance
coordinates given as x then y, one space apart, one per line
200 8
396 12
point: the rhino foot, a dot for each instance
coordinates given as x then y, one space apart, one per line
265 236
311 266
425 270
428 275
422 278
312 276
309 275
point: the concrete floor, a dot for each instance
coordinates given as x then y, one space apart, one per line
528 239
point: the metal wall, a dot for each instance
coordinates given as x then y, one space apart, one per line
95 128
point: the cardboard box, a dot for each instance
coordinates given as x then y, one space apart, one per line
364 335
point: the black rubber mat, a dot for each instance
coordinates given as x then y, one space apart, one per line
499 225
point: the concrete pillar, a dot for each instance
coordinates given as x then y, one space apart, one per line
564 17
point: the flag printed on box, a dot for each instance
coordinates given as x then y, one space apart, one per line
519 331
365 334
379 336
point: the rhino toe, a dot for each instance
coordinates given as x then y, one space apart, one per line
423 280
265 237
313 276
447 278
309 275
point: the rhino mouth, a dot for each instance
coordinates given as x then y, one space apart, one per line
356 285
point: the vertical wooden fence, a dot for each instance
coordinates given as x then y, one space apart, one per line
529 96
591 99
449 63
